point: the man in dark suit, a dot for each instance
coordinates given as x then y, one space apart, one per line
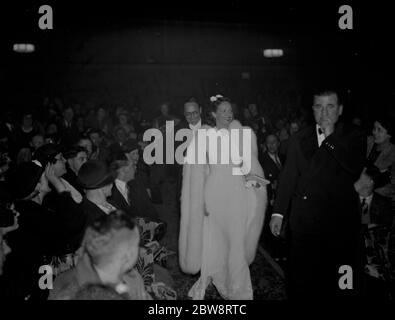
317 181
272 163
69 132
119 198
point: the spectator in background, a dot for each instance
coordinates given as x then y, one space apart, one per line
75 157
121 137
36 142
124 122
272 163
100 150
165 115
381 152
109 252
103 121
87 144
68 132
293 128
52 133
26 131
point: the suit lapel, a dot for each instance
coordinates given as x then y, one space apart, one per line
309 143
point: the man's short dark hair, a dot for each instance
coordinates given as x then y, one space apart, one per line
327 91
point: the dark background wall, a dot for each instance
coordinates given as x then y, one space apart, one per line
111 58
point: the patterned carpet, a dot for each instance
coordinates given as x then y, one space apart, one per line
267 284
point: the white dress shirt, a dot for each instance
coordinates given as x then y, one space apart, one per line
320 136
123 189
275 158
196 126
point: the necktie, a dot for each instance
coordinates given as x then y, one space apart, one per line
365 211
320 131
278 163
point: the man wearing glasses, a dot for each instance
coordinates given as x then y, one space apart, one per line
193 121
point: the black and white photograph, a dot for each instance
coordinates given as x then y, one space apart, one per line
198 151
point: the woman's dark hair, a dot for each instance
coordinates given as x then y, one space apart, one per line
218 101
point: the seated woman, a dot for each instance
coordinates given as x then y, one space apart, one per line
381 153
37 234
105 194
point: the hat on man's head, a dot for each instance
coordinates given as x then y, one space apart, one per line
47 153
95 174
23 179
130 145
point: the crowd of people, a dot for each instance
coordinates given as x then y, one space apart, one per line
77 195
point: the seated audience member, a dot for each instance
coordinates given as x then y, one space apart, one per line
100 151
98 292
86 143
36 142
119 198
26 131
381 152
75 157
8 222
68 132
139 191
37 233
123 122
24 155
97 181
378 222
63 199
109 253
102 121
52 133
121 137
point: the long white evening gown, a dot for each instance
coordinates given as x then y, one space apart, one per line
230 212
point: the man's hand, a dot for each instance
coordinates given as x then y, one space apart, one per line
328 127
275 225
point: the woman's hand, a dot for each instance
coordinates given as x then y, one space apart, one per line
53 178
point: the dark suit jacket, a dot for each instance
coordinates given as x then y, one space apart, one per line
118 201
69 135
318 182
90 211
140 200
271 170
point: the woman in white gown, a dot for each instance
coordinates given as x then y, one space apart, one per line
221 213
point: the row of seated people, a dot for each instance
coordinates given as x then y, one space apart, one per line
56 204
